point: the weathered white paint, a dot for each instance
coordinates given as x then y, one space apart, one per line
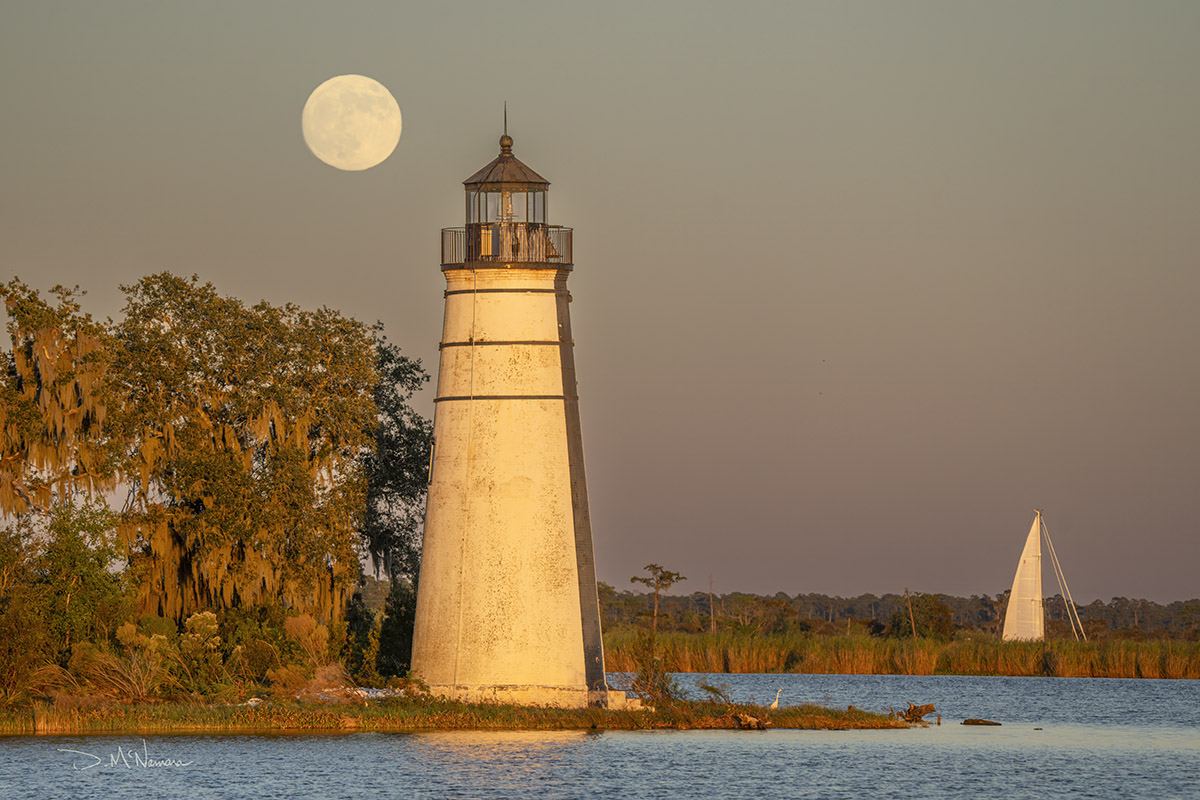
498 608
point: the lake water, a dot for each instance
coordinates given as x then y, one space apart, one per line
1099 738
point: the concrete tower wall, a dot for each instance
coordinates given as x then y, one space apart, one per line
507 573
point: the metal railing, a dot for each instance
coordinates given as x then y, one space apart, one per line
507 243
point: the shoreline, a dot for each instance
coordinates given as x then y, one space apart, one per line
414 716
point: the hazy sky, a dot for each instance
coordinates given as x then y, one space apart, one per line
857 285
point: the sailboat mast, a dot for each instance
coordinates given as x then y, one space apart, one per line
1072 612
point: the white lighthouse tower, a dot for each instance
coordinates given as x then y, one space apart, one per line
506 607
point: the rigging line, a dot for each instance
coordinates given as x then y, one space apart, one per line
1074 608
1043 532
1062 579
1072 611
1062 587
1059 577
466 505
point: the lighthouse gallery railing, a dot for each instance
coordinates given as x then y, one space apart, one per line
507 243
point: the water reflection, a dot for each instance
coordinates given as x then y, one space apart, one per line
503 762
499 744
483 763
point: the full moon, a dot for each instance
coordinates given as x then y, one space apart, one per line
351 122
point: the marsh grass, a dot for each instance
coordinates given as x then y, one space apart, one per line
71 716
865 655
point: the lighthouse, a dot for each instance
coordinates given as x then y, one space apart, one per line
507 609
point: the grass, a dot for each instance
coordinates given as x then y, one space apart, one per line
866 655
76 716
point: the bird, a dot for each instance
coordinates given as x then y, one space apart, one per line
776 703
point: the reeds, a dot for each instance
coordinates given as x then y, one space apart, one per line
68 716
864 655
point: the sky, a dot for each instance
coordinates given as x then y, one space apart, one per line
857 285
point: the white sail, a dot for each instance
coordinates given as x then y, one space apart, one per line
1024 619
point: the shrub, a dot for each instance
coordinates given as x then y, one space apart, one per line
138 673
310 637
199 666
396 631
651 680
24 645
287 681
251 661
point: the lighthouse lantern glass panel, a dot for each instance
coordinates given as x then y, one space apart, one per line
474 206
514 206
505 206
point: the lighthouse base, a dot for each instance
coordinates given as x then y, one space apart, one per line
555 696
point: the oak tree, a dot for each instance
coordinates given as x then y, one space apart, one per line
245 429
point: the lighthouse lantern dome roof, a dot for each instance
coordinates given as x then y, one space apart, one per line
506 171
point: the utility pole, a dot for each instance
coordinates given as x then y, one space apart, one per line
911 618
712 619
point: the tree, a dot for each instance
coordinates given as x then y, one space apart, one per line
246 429
659 581
83 596
263 448
397 472
59 587
930 616
53 402
650 680
24 641
397 469
396 631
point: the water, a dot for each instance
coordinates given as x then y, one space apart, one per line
1098 738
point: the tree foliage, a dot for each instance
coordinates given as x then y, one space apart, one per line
246 428
396 630
397 479
659 580
74 577
930 616
59 587
397 468
263 448
53 401
24 640
263 451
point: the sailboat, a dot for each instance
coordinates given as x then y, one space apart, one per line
1025 619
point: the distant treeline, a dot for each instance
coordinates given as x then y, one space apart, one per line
933 615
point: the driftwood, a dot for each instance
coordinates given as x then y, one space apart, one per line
915 712
749 722
979 722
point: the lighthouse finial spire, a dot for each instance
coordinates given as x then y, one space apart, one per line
505 140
